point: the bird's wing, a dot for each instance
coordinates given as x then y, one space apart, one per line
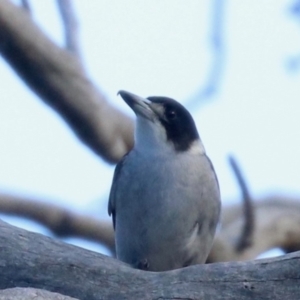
111 200
213 169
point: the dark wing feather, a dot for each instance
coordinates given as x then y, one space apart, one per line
213 169
114 186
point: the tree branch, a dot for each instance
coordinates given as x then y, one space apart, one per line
277 225
70 23
246 237
214 74
32 260
57 77
60 221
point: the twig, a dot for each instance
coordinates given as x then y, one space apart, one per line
246 236
218 57
70 24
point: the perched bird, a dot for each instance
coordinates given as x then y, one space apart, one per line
164 199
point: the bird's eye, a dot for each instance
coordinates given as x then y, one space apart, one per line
171 114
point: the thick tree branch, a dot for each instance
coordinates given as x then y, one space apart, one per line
32 260
57 77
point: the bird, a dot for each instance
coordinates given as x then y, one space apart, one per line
165 196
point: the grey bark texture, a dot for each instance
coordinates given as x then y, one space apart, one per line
33 260
31 294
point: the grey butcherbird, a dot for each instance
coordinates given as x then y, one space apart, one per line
164 199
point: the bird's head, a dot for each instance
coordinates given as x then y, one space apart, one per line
163 123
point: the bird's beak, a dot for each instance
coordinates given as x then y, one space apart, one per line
138 104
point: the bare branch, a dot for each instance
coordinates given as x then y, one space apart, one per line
57 77
59 221
70 23
277 225
212 83
246 236
32 260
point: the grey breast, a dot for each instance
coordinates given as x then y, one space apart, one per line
163 202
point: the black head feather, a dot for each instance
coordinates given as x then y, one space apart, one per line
178 122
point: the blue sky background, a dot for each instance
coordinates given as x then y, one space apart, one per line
165 48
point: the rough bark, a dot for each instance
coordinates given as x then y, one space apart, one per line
31 294
32 260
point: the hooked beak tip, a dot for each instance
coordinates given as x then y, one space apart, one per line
138 104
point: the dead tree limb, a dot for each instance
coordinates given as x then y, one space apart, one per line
56 75
60 221
32 260
277 225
